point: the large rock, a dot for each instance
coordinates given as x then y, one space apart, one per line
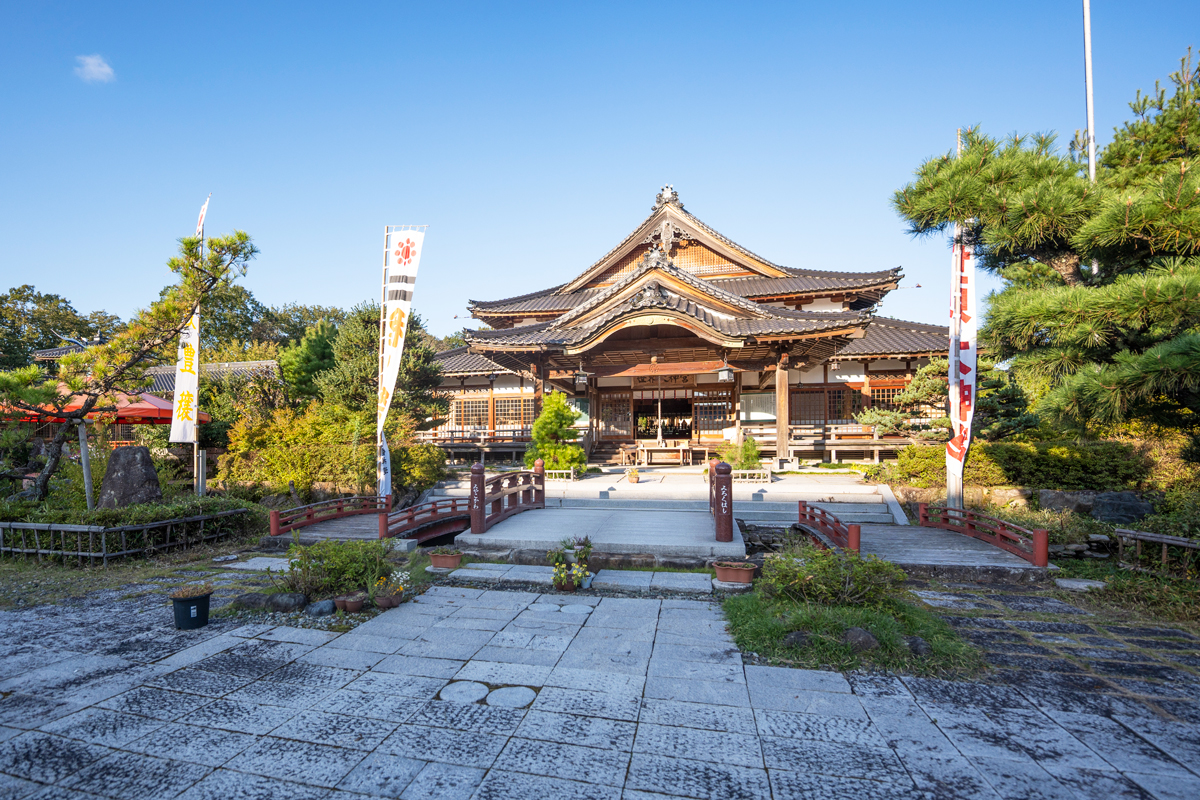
860 640
129 479
1055 500
286 602
1120 508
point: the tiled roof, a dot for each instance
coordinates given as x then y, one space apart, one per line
461 362
887 336
55 353
801 281
164 376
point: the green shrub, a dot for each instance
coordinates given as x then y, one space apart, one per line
1099 466
814 574
1178 514
744 456
335 567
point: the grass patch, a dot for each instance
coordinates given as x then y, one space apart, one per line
759 624
1154 598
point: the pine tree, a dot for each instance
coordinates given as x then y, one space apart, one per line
301 361
1108 345
553 437
920 413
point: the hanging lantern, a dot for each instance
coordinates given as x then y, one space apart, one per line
725 373
581 378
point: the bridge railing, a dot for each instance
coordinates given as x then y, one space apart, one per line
501 496
843 536
291 519
1031 545
406 520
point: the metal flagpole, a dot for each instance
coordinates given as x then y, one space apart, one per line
380 489
954 485
1087 69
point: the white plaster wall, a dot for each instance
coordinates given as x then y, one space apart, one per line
880 366
822 304
614 381
847 371
813 375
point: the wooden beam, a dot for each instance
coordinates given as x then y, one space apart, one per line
782 412
664 368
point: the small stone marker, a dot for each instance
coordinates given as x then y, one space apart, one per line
511 697
1078 584
465 692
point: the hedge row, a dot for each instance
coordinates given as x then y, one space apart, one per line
256 521
1099 466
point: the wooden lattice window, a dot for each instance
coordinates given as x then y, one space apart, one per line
616 416
712 411
885 398
514 412
808 407
842 405
471 413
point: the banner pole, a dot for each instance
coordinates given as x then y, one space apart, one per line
380 489
954 483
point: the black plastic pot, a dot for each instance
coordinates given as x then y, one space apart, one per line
191 612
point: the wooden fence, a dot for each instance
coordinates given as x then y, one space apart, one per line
830 529
1031 545
1186 559
96 543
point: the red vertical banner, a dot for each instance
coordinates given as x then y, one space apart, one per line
964 360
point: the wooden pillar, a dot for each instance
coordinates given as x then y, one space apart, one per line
782 412
737 409
492 406
722 483
538 369
478 515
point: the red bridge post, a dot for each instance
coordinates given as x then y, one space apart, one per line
723 510
478 514
539 484
385 508
1041 547
274 523
923 514
853 537
803 510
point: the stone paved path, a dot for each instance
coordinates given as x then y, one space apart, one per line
631 698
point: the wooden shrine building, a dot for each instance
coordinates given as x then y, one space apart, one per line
679 339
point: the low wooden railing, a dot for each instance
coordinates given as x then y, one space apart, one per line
751 475
841 535
561 474
1031 545
301 516
1191 548
500 497
455 435
426 516
97 543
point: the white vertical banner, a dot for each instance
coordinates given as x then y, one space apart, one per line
964 362
186 411
401 257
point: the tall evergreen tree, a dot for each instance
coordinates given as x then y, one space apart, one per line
303 360
1109 344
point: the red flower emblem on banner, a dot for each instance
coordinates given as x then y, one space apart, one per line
406 252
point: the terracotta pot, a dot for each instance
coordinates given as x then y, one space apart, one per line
731 574
384 601
354 606
565 587
340 602
634 479
445 562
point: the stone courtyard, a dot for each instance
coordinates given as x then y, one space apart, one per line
478 693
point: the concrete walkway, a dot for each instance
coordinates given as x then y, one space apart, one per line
498 695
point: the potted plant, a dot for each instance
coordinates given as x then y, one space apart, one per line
446 557
354 602
340 602
388 590
191 605
568 549
568 578
583 548
556 556
632 474
734 571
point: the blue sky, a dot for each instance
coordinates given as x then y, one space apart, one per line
531 138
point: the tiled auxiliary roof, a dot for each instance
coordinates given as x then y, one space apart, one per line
164 376
886 336
461 362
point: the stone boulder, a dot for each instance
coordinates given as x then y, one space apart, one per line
285 602
918 646
1120 508
1055 500
129 479
860 640
321 608
796 639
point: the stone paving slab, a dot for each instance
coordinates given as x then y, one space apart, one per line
634 699
260 564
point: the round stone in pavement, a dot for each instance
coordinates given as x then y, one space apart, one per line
576 609
511 697
465 692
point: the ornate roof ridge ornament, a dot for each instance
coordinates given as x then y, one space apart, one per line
666 235
667 196
652 294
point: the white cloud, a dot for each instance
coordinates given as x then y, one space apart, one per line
94 69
